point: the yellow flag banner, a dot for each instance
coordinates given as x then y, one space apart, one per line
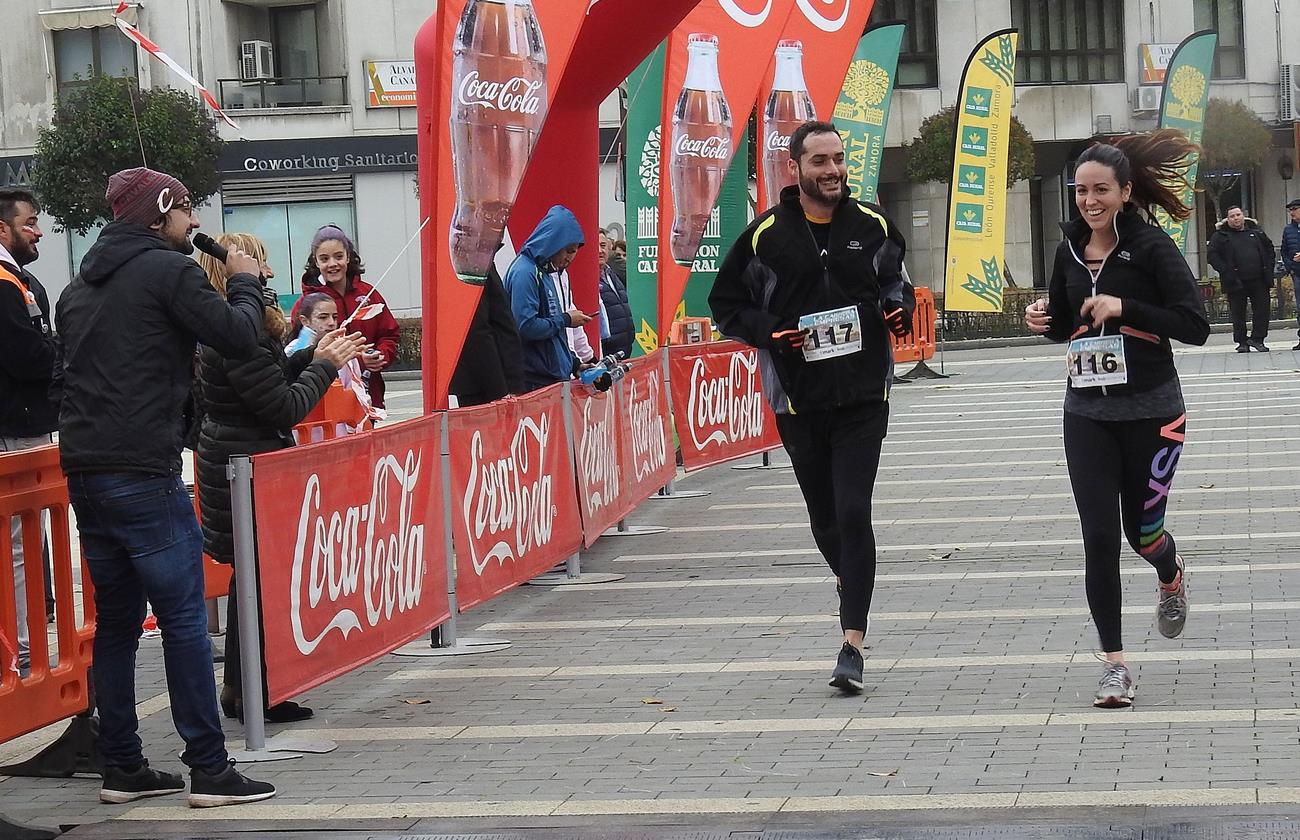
977 194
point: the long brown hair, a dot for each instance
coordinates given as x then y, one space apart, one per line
274 319
1155 164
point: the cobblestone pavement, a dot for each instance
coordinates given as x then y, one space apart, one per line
690 698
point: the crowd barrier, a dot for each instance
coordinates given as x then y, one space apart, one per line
32 484
920 345
366 542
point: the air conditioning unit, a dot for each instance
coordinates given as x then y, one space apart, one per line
256 60
1289 92
1147 98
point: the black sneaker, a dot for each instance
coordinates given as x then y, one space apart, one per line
1243 348
127 786
847 676
1258 346
227 787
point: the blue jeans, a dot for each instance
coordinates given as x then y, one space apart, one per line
140 540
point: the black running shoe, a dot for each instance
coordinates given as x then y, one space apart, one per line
226 787
1243 348
847 676
1258 346
127 786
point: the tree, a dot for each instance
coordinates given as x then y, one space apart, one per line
1235 141
929 155
93 134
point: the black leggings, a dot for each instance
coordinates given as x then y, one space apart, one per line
835 455
1132 463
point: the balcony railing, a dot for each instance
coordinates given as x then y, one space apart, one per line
286 92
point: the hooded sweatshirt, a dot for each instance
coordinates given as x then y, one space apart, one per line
542 321
127 328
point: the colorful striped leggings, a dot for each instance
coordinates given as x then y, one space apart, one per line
1121 472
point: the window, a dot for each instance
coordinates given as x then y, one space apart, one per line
918 61
82 54
1225 17
1074 42
293 36
287 229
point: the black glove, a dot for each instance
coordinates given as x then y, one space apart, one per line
269 297
897 321
789 341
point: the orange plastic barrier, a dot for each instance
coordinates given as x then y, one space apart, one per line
920 345
31 482
338 406
216 576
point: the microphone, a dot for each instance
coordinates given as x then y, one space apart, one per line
210 246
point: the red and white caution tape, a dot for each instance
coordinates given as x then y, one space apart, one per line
154 50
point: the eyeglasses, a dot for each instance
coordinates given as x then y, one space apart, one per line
184 206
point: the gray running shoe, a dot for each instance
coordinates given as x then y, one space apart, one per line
1116 689
1171 608
847 676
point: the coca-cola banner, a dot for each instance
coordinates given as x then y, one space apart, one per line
718 403
711 81
803 81
646 448
514 507
485 71
350 550
597 423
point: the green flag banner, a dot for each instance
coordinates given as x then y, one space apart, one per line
1182 106
641 171
862 110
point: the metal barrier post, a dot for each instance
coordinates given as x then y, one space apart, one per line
572 573
667 491
443 639
256 746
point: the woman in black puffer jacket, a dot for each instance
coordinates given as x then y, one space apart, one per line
251 406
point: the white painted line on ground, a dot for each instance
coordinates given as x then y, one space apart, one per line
963 422
643 623
1280 378
444 808
959 449
1220 568
963 520
1219 407
1264 489
759 726
1276 394
872 663
1058 475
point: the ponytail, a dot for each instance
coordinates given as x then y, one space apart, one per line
1155 164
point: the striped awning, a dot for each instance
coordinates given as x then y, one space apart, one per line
87 17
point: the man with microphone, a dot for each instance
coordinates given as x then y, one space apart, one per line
127 328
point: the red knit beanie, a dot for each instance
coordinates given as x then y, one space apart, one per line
139 196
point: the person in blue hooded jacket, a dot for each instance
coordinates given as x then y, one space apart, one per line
542 321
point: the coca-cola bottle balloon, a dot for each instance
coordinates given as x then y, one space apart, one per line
701 149
498 79
788 106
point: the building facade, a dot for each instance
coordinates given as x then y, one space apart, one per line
323 93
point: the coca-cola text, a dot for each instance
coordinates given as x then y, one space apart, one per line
517 94
509 499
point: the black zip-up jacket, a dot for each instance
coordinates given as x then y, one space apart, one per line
127 328
249 406
1241 257
1147 272
26 359
775 273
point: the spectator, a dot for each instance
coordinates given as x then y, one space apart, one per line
1291 246
618 312
127 328
618 259
251 405
542 322
491 361
335 268
27 417
577 336
1243 256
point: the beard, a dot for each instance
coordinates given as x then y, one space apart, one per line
177 236
24 253
814 190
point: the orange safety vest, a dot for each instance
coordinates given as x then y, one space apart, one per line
28 297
